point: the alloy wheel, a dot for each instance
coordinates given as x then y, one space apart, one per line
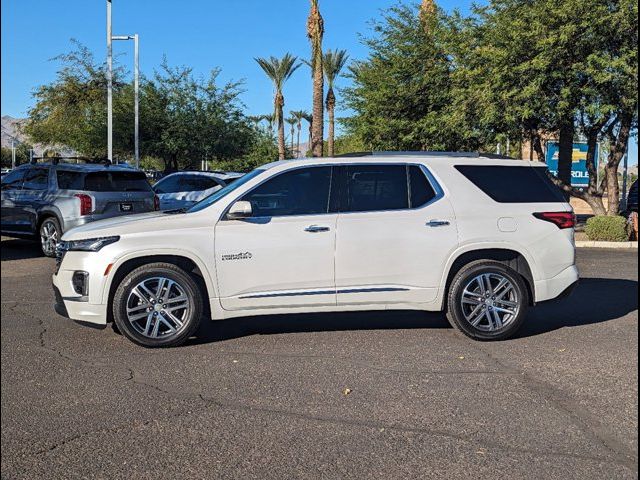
490 302
158 308
49 237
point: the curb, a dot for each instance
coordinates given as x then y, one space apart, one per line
613 245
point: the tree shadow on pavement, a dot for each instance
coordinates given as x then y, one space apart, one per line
15 249
595 300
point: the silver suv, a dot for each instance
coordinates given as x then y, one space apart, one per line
47 199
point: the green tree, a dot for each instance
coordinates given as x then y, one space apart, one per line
279 70
333 62
71 111
401 94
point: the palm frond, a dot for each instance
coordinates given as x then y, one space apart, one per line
333 62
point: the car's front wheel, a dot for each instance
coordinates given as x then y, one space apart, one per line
487 301
158 305
50 233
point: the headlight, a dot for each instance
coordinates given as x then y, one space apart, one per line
89 245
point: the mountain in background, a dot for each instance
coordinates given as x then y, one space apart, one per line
11 132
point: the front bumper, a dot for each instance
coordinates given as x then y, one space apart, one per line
69 305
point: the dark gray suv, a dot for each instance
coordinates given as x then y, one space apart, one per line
44 200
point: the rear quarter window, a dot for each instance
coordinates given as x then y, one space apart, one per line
116 182
515 184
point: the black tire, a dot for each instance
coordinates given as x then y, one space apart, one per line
457 315
192 314
47 244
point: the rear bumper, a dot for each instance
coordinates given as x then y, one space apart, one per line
559 286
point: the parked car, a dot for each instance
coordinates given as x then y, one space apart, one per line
44 200
184 189
465 235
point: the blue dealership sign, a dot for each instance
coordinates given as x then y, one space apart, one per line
579 172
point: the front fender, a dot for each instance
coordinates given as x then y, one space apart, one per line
207 274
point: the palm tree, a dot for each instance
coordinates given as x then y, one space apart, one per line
315 32
299 115
333 62
279 70
292 121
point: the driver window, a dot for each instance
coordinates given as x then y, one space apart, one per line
303 191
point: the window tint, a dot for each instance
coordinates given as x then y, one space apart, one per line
116 182
513 184
168 185
197 183
13 180
68 180
36 179
376 187
421 190
298 192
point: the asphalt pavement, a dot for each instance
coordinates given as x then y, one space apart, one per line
369 395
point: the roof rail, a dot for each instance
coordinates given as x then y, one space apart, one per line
496 156
61 159
401 153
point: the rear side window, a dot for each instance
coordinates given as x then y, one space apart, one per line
36 179
513 184
197 183
421 191
376 187
116 182
68 180
298 192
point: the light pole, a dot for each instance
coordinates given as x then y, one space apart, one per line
136 89
109 86
13 154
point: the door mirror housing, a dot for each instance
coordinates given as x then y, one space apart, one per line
240 210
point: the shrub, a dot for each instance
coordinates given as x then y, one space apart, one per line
608 229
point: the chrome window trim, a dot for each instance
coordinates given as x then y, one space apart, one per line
440 194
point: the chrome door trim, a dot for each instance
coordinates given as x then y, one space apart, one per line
325 292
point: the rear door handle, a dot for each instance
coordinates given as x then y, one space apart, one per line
316 229
438 223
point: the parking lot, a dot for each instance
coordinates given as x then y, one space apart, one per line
371 395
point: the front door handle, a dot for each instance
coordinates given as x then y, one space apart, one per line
438 223
316 229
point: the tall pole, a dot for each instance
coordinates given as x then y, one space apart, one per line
109 86
136 87
13 154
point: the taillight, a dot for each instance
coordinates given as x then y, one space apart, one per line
562 220
156 203
86 203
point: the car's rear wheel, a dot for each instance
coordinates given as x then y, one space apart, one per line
158 305
50 233
487 301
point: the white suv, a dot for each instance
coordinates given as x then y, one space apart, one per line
479 238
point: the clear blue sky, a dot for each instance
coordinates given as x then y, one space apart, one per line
202 34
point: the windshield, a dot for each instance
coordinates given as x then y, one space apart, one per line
211 199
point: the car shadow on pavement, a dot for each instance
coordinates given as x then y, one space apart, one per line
15 249
317 322
595 300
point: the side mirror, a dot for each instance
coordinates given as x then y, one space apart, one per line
240 210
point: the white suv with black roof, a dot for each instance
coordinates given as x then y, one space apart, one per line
481 239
